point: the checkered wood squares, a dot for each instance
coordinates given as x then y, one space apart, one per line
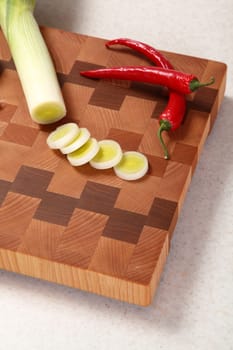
83 227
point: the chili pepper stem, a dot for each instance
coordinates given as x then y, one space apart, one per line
195 84
164 126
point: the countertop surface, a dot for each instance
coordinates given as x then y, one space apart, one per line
193 306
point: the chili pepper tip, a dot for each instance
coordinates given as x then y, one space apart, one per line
164 126
196 84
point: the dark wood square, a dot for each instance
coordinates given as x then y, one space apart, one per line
98 198
161 213
4 188
124 226
75 77
55 208
108 95
128 140
31 181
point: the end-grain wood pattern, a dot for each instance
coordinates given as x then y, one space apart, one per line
83 227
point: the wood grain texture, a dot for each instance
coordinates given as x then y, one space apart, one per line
83 227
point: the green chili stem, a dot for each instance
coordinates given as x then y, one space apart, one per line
196 84
164 126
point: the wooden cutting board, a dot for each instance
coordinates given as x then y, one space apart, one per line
87 228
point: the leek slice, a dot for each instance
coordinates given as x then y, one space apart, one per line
82 137
62 135
84 154
32 60
132 166
109 155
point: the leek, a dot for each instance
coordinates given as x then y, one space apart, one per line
32 60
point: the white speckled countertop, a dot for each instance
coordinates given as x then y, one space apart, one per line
193 307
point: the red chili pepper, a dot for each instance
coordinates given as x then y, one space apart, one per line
178 81
147 50
172 116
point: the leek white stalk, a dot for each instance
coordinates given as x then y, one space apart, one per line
32 60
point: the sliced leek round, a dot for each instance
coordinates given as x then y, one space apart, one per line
109 155
62 135
133 166
85 153
78 142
